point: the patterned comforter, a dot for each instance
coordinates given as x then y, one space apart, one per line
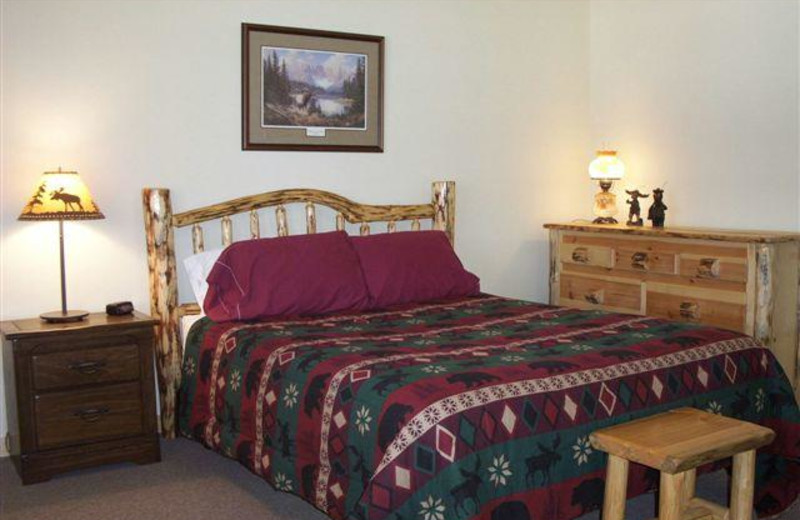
476 408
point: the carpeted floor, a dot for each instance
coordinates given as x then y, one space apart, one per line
195 484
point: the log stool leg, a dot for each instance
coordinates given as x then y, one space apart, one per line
616 488
742 482
670 505
689 484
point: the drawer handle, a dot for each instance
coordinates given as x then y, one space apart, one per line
91 414
88 367
708 268
689 310
594 297
580 255
640 260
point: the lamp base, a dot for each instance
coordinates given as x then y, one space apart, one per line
605 220
63 317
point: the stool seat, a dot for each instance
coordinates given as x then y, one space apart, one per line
681 439
676 443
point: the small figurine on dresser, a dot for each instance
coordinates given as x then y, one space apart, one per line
657 209
635 210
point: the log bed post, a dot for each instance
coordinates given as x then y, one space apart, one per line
444 208
163 300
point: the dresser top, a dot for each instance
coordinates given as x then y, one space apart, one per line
725 235
97 320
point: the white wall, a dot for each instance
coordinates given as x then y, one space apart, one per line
703 96
493 95
507 98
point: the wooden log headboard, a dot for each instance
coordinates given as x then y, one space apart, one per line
160 224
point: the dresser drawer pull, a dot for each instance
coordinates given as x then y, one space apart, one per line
594 297
580 255
640 260
91 414
88 367
708 268
689 311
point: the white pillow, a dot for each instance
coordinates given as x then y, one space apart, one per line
198 266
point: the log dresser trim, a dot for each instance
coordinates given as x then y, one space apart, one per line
694 233
160 224
747 281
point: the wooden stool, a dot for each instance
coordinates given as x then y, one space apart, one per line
676 443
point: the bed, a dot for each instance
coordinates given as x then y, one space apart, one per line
477 407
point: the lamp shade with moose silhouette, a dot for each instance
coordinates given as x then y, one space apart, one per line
61 195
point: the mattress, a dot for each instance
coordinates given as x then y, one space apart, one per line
475 408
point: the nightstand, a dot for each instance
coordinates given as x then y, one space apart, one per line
79 394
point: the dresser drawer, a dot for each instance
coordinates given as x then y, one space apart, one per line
597 293
65 418
581 254
713 267
724 309
86 366
645 260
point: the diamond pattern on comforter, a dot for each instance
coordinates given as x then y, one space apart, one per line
476 408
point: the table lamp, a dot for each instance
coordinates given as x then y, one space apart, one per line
61 196
606 168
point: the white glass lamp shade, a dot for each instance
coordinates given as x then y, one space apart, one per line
606 166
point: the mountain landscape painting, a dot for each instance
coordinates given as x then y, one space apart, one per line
309 88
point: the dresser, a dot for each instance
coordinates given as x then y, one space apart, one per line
79 394
745 281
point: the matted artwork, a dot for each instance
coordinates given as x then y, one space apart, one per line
311 90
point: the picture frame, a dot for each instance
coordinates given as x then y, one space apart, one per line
311 90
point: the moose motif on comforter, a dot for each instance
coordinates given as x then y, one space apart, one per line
475 408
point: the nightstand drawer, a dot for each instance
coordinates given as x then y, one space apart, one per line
65 418
86 366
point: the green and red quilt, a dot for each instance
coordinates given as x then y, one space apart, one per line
475 408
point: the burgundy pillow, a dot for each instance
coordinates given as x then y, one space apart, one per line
412 266
301 275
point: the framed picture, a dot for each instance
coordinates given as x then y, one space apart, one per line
311 90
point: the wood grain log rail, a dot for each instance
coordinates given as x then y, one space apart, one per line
353 212
160 223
